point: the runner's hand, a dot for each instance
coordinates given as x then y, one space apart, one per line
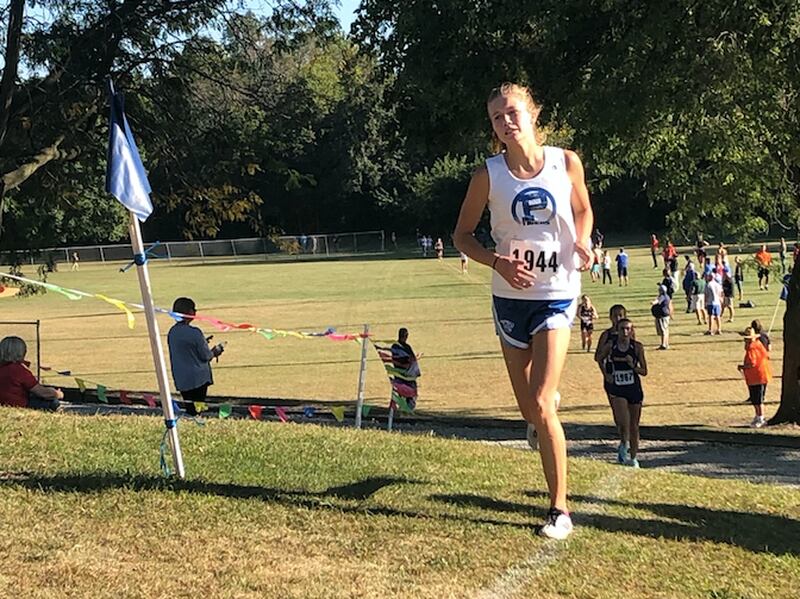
585 254
513 271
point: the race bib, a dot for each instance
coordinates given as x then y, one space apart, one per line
624 377
541 258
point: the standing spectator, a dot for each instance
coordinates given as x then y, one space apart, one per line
727 295
404 358
668 283
597 238
622 267
662 311
700 249
689 275
76 262
597 259
18 386
587 314
738 275
607 268
654 249
795 253
439 247
757 374
763 260
762 336
394 239
464 263
698 298
627 362
782 255
722 253
189 355
713 299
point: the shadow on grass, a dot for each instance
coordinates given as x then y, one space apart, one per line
758 533
357 491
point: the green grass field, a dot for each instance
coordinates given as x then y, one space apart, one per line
273 510
448 316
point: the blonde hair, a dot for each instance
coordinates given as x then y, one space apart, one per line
521 91
12 349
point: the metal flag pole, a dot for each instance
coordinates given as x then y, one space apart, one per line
362 376
155 345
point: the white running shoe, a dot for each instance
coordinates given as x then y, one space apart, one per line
557 525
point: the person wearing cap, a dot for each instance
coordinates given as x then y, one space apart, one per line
757 373
662 310
189 355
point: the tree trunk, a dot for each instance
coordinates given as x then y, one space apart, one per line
8 84
789 410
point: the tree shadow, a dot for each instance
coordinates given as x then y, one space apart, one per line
755 532
350 496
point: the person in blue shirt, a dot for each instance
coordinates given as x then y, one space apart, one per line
622 267
190 356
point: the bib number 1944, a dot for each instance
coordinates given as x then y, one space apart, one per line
535 258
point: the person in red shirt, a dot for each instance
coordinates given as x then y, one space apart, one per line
757 373
18 386
654 249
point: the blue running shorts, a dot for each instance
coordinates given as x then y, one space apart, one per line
517 320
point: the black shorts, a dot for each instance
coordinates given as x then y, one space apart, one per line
762 272
757 393
193 395
587 327
622 271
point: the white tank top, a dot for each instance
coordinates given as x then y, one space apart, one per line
532 220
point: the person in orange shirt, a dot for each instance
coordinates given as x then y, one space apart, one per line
763 259
757 373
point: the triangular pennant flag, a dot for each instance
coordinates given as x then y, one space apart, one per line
150 400
101 394
121 305
365 410
281 413
69 293
123 398
175 407
81 385
200 406
255 412
401 401
309 412
338 413
225 410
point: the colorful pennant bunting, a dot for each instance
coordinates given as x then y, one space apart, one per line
255 412
338 413
225 410
281 414
101 394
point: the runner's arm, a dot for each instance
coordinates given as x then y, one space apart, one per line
581 208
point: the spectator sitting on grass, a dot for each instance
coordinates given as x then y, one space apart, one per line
18 386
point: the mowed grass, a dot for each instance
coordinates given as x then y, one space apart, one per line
283 510
449 317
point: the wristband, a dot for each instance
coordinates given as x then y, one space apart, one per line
496 258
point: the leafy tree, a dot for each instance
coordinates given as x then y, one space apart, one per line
52 92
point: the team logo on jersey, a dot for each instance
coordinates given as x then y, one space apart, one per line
533 206
508 325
